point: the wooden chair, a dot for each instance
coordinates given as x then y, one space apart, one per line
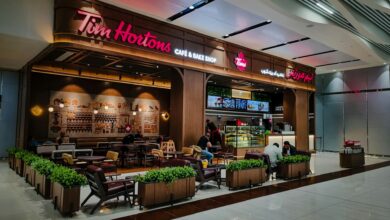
168 146
106 190
204 175
225 154
109 164
71 162
187 151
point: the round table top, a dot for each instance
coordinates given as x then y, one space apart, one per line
91 158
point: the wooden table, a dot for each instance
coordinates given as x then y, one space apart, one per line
91 159
175 154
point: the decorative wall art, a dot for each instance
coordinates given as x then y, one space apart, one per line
89 115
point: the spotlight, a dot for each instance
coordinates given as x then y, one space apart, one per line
61 105
106 107
134 113
95 111
50 109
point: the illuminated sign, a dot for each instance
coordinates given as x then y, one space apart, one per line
300 76
195 56
240 61
122 33
272 73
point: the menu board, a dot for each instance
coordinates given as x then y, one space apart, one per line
214 102
228 103
257 106
241 104
114 115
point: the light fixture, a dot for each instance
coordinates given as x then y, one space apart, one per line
140 109
248 28
191 7
36 110
61 105
324 8
157 66
118 66
165 116
51 109
95 111
134 113
106 107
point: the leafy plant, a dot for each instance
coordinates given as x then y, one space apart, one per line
166 175
43 166
245 164
294 159
67 177
12 150
29 158
20 154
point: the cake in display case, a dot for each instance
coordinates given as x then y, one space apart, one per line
244 136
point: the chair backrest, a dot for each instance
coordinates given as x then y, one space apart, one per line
158 153
96 180
197 151
112 155
168 146
70 146
187 150
68 159
46 149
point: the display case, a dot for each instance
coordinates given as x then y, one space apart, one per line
244 136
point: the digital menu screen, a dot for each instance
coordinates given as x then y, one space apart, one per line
241 104
228 103
257 106
214 102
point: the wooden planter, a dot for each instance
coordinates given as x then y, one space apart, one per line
29 174
11 161
19 165
245 178
294 170
43 185
352 160
66 200
150 194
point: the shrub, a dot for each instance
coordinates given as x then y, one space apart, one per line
167 175
29 158
12 150
43 166
294 159
245 164
20 154
67 177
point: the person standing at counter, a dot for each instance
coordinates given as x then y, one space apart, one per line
204 143
274 153
288 149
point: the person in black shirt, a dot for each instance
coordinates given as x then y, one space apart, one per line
128 139
204 143
288 149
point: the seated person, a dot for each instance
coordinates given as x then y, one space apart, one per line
288 149
274 153
204 143
138 135
128 139
62 138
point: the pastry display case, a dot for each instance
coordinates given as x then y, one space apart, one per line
244 136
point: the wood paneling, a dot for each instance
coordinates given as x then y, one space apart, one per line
302 120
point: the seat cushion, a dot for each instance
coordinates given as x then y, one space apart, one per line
209 174
116 187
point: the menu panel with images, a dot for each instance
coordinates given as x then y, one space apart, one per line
228 103
115 114
241 104
214 101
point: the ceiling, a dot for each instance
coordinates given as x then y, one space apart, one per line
356 35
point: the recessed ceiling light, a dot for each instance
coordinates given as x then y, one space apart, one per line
324 8
157 66
136 73
141 74
118 66
106 56
88 64
191 7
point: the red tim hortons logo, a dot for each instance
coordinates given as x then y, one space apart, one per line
91 26
240 61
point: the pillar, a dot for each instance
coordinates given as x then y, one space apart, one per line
302 120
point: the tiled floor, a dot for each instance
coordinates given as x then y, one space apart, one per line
18 200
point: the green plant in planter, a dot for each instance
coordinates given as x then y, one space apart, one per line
29 158
167 175
67 177
245 164
294 159
12 150
43 166
20 154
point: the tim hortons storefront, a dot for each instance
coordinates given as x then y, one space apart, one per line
93 40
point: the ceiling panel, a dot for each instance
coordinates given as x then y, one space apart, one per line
303 48
327 58
341 66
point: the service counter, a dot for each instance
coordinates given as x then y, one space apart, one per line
280 138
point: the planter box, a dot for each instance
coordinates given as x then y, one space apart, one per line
43 185
11 161
19 165
294 170
150 194
29 174
351 160
245 178
66 200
